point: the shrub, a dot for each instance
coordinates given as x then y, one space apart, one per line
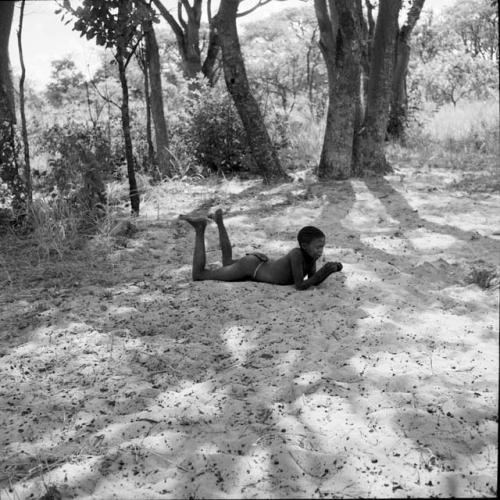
73 152
214 133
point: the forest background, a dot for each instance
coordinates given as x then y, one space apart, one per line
452 78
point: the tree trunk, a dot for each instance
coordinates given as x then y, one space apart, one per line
149 128
262 150
370 154
399 98
7 107
24 129
187 34
208 67
340 35
129 153
160 124
9 167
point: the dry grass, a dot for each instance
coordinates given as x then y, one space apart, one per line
463 139
57 245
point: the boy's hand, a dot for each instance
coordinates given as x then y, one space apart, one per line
331 267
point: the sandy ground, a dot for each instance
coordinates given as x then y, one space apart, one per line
381 382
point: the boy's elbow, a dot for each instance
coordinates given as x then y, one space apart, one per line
301 286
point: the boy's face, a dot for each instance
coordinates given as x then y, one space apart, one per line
314 248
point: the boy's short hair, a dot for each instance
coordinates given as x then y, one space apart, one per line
309 233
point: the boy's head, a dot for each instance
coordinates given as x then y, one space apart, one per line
311 241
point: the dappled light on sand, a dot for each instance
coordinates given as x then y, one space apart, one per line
381 382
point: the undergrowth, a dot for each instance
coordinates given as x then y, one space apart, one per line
56 243
464 139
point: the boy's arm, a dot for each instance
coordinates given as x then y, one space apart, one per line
296 261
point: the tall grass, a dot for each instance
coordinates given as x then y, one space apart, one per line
471 126
306 135
464 139
54 228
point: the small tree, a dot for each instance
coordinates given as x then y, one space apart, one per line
24 128
66 81
116 24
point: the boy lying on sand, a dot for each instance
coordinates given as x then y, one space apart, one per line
288 270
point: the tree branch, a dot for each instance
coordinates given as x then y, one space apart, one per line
171 21
327 30
105 98
209 11
412 17
134 48
255 7
179 15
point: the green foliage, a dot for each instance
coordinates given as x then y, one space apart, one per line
476 24
213 132
284 62
455 56
76 172
66 84
112 23
450 77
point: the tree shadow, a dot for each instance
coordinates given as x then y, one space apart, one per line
267 366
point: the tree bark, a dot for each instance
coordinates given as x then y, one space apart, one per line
399 99
129 154
160 124
262 150
370 151
187 34
149 127
24 129
340 36
7 107
208 68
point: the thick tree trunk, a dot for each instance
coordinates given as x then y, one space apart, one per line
371 151
7 107
262 150
24 128
340 34
160 124
399 99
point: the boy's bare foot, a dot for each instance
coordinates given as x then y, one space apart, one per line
217 216
196 222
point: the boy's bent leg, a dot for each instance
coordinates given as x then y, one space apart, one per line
225 243
199 255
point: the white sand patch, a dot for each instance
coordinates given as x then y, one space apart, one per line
390 244
428 241
239 341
